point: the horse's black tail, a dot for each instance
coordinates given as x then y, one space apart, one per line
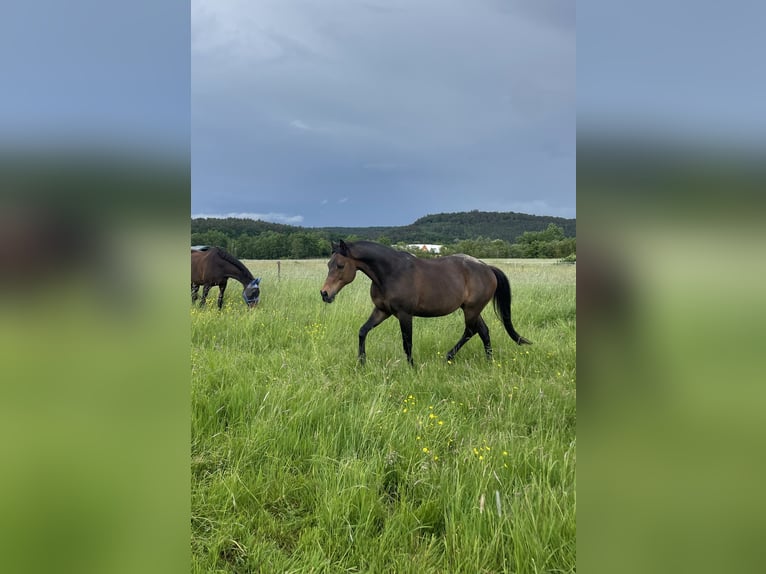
502 303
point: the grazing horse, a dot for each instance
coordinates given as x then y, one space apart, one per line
405 286
212 266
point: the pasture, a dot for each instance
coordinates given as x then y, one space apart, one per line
304 461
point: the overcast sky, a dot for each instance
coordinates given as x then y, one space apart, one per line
377 112
95 74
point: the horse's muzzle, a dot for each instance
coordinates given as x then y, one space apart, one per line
326 298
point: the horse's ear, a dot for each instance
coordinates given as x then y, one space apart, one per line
343 248
334 246
257 280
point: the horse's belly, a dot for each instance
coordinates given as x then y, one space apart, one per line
433 312
436 301
435 308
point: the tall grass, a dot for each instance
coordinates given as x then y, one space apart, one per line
305 461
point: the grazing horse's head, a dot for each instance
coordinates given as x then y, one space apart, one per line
252 293
341 272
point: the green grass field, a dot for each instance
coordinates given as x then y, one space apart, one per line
304 461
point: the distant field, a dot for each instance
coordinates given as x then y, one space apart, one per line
304 461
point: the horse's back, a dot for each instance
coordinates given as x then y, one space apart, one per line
201 263
443 285
468 259
465 277
480 279
459 264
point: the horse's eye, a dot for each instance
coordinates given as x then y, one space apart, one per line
341 266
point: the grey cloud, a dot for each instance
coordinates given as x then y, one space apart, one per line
298 100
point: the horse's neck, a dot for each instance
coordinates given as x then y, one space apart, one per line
376 270
244 279
236 273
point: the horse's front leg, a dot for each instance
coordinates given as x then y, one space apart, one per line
405 323
194 293
221 289
376 318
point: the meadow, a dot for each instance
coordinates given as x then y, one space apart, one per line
305 461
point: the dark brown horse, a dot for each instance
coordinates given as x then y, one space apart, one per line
213 267
405 286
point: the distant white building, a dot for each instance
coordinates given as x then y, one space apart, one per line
429 247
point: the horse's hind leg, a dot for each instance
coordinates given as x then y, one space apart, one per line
484 334
221 289
205 291
467 334
473 326
194 293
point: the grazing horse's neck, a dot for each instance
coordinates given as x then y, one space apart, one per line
239 275
232 267
244 279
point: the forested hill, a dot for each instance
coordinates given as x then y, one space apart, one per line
450 227
438 228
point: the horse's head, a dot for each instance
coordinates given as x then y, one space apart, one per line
341 271
252 293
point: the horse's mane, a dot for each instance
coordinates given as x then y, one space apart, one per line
234 261
365 249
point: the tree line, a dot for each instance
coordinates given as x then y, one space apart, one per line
286 242
549 243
